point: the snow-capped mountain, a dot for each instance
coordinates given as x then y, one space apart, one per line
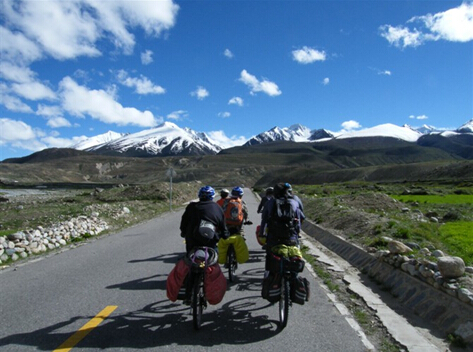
295 133
166 139
95 142
386 130
169 139
466 128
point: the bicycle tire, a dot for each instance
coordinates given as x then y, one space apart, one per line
197 302
284 303
231 262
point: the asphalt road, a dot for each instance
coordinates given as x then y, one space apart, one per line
45 302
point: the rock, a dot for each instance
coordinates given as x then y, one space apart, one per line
397 247
465 331
451 267
469 269
465 295
438 253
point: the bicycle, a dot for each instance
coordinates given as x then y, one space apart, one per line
288 269
231 262
200 258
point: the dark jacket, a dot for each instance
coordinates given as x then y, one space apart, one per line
267 211
202 210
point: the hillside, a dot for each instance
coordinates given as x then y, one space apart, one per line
375 159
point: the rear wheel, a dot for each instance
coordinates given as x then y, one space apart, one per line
197 302
284 303
231 262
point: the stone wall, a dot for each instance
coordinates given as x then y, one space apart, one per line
449 308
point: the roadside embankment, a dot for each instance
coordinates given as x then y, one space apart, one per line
447 307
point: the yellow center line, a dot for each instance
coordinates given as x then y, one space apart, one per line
85 330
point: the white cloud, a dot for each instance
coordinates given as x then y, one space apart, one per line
79 101
147 57
15 47
350 125
236 100
308 55
33 91
142 85
228 53
265 86
224 114
220 138
177 115
15 73
14 130
420 117
385 73
68 29
58 121
454 25
326 81
48 110
201 93
12 103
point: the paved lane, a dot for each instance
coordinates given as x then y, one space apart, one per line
43 303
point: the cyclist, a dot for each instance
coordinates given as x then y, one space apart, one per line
223 196
282 192
234 219
203 222
268 196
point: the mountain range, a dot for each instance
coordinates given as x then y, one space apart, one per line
168 139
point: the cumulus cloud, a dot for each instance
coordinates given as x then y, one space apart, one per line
455 25
98 104
350 125
220 138
177 115
147 57
419 117
33 91
224 114
14 130
11 102
201 93
308 55
228 53
326 81
68 29
265 86
58 121
236 101
15 73
142 84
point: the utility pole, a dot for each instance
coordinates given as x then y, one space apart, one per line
170 173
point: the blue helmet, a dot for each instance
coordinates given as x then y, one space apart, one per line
237 191
206 193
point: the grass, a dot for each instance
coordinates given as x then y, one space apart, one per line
439 215
436 199
458 238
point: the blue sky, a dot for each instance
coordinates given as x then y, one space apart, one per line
75 69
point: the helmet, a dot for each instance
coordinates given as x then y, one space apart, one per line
269 190
206 193
237 191
224 192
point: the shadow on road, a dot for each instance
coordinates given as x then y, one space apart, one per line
163 323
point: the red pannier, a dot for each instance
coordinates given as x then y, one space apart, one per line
176 279
215 284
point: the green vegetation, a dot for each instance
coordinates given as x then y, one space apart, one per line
430 214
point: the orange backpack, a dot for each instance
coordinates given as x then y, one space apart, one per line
233 211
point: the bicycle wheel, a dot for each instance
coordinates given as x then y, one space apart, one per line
231 262
197 301
284 303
